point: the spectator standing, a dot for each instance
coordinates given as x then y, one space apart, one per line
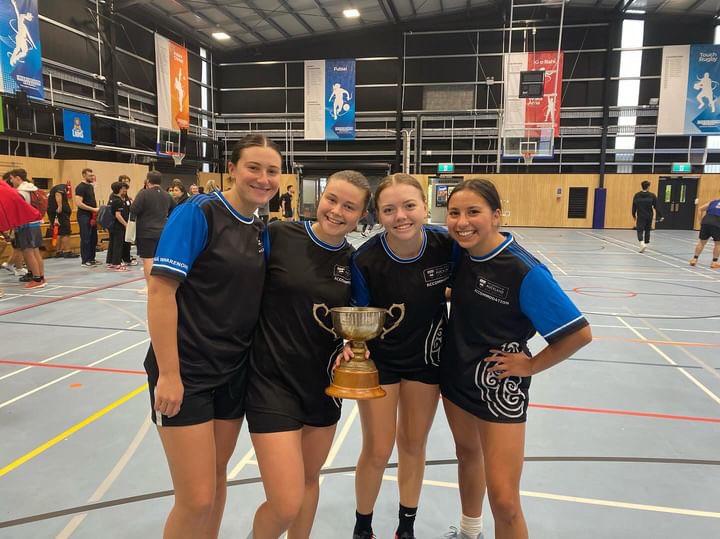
118 254
87 209
286 203
28 237
59 211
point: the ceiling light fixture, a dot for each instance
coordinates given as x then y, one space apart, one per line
635 11
351 13
220 36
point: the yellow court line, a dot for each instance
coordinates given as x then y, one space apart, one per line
588 501
72 430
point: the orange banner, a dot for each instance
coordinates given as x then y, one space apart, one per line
179 94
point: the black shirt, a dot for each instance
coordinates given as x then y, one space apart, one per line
293 355
86 192
118 204
498 302
217 255
151 207
52 204
380 279
643 204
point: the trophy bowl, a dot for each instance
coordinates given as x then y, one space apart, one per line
358 378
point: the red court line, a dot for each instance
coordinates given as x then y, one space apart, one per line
69 367
626 412
74 295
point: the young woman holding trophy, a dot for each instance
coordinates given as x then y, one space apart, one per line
408 265
204 295
501 296
291 419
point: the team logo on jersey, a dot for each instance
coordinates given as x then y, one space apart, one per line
503 397
492 290
436 275
434 341
261 247
341 274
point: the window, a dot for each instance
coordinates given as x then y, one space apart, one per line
628 89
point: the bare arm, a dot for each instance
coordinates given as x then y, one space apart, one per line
119 218
82 206
58 202
162 325
518 364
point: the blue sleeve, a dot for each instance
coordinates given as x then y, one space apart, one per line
183 239
547 306
266 244
360 294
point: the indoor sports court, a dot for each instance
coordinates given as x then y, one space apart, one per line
598 121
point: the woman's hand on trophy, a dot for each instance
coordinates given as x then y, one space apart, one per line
347 355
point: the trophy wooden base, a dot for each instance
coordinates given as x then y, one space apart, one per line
349 382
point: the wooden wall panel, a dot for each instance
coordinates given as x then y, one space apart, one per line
106 173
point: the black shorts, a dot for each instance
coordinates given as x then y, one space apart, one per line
146 247
28 237
488 397
267 422
63 224
429 374
223 402
708 231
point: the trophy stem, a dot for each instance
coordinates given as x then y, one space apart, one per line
359 350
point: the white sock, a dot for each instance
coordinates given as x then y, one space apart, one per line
471 526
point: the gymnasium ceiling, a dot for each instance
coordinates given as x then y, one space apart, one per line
258 22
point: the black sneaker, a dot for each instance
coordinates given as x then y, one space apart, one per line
364 535
26 278
404 535
70 254
59 254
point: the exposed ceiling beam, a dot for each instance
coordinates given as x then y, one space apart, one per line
442 7
385 12
179 27
260 13
412 6
697 4
327 15
297 17
622 5
122 4
211 23
665 3
229 14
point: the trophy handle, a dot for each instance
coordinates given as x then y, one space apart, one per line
315 308
401 308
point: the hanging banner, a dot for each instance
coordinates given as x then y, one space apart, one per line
77 127
20 55
330 99
527 117
689 90
171 72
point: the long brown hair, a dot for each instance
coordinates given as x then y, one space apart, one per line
252 140
399 178
482 187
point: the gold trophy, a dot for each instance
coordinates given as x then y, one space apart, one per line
357 378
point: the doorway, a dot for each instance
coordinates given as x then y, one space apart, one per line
676 202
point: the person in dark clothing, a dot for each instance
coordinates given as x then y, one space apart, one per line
59 210
119 249
87 209
644 202
178 192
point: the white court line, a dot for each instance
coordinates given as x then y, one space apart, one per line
68 351
667 358
687 330
575 499
68 530
550 261
246 459
340 438
33 391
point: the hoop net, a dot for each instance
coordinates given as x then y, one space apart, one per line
177 158
528 156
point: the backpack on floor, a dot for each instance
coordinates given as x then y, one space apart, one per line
105 217
39 200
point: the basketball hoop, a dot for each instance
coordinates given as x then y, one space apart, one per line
528 156
177 158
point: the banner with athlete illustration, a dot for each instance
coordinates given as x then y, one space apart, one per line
20 54
689 90
330 99
171 72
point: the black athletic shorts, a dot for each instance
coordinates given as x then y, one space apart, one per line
709 231
224 402
266 422
146 247
429 374
63 224
28 237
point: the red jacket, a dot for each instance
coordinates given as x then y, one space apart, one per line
14 211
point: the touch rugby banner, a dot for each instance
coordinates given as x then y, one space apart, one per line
171 71
689 90
330 99
524 117
20 54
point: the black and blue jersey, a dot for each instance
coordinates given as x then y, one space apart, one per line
380 278
217 255
293 355
712 216
499 301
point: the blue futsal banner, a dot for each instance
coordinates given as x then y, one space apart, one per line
77 127
340 95
690 90
330 99
20 54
